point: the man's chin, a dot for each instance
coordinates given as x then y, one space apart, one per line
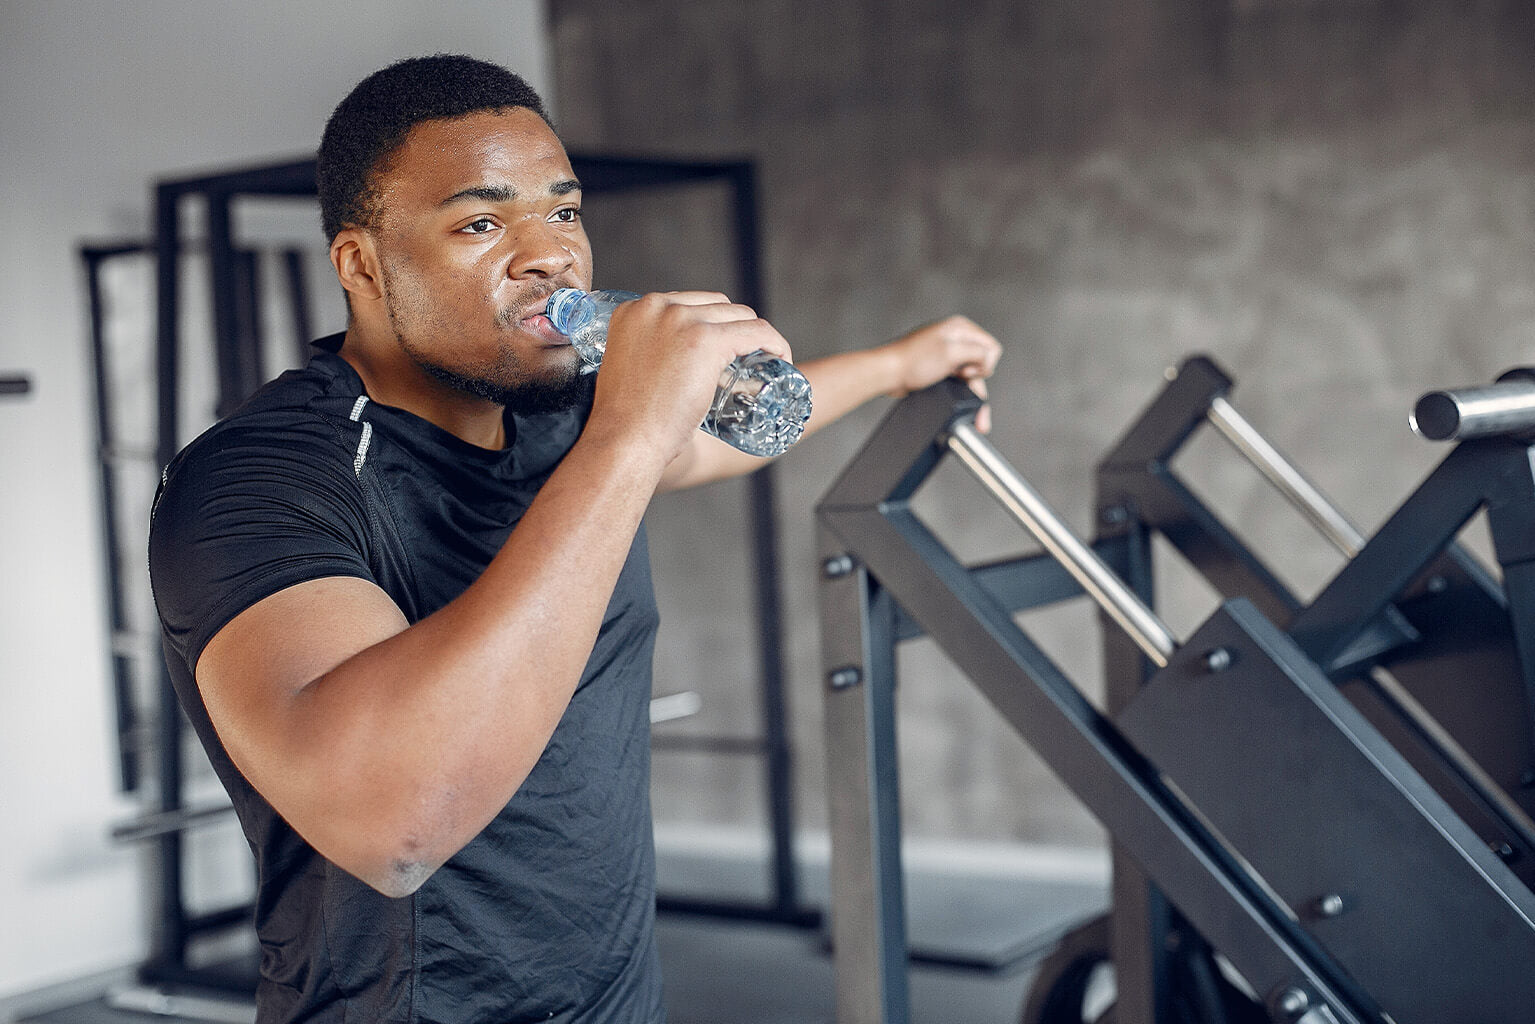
558 388
554 394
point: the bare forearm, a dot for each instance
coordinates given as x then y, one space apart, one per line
841 383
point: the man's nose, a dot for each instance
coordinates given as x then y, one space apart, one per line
540 251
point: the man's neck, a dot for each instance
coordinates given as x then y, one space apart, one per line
395 380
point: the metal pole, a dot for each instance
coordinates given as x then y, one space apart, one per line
169 951
1507 407
122 663
1139 622
161 823
868 919
762 489
1284 476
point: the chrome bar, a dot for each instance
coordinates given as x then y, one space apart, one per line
1507 407
160 823
674 706
1081 561
1280 472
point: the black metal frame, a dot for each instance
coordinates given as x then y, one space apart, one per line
1390 604
609 174
1414 630
238 351
1249 863
111 455
174 927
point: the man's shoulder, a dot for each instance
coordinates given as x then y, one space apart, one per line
326 390
309 410
264 498
292 442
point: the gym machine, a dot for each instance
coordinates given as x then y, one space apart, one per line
1321 813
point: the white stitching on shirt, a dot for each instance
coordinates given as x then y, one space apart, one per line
367 434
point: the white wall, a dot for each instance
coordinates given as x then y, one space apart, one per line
97 100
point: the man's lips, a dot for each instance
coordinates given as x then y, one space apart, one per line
535 321
540 326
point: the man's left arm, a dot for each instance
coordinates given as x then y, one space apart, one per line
953 347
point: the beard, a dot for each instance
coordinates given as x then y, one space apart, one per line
505 381
509 387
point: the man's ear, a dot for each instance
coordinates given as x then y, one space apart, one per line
356 261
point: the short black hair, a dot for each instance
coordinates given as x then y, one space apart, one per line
373 120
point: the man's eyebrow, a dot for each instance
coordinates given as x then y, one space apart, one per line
505 193
485 193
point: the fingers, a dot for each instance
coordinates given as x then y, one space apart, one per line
709 307
693 298
977 352
665 355
983 414
952 347
747 336
973 351
734 323
955 346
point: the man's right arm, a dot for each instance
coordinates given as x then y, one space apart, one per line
388 746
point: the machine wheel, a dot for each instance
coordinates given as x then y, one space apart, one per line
1074 984
1060 991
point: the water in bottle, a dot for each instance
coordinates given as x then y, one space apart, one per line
760 406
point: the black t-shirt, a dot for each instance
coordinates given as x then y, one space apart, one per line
548 914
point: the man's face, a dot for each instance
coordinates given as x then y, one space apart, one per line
479 221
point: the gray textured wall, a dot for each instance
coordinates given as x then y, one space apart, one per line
1334 199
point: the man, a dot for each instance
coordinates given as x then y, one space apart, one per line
405 594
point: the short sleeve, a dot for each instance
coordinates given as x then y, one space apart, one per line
243 513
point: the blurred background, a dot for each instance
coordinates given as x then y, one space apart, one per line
1335 199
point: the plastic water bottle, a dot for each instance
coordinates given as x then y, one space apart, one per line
762 401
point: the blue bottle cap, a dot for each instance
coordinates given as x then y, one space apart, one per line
570 309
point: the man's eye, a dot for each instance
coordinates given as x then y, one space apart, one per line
567 215
478 227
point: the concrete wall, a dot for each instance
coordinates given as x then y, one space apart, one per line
97 101
1334 200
